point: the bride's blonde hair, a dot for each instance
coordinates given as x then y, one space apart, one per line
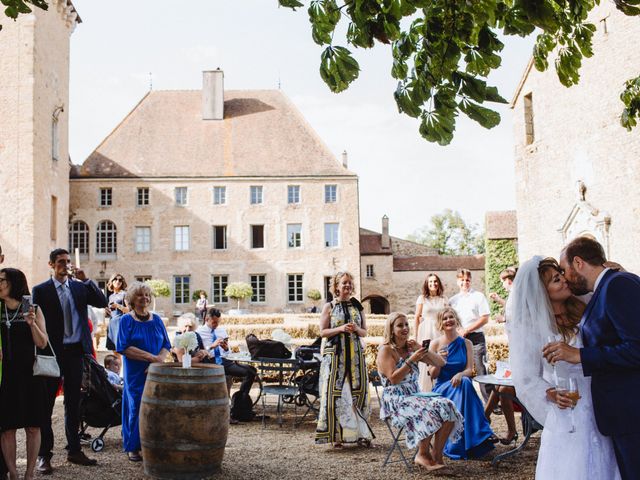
575 308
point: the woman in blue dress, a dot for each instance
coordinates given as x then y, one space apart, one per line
142 340
422 417
453 381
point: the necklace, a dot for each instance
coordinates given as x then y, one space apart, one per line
144 317
6 314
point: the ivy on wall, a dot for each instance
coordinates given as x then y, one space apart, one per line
499 254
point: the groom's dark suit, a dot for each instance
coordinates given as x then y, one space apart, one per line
70 356
611 356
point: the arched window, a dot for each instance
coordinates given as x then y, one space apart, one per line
106 240
79 237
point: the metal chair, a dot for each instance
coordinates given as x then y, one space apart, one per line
397 437
283 370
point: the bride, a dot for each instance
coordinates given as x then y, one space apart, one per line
540 309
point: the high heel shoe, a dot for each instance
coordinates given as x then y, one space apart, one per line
508 441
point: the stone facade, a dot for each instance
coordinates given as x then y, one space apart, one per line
179 150
34 167
577 169
392 276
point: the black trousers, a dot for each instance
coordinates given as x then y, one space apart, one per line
626 449
246 372
71 367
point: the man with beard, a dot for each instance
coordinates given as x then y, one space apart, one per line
610 330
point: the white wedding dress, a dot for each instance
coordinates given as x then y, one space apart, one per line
585 453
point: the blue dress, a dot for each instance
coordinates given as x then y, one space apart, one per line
150 336
477 431
420 416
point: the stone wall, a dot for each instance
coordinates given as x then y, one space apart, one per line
578 138
238 261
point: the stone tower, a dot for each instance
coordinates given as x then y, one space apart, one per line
34 131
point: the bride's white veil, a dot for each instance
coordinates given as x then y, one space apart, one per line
530 322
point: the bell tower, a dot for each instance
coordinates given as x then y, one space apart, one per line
34 130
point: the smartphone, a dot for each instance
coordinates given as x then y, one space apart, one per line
426 343
26 303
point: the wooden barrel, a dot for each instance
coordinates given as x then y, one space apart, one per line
184 421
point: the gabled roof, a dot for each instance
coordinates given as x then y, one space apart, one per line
521 83
371 244
262 134
438 262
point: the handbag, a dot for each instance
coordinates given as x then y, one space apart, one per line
45 365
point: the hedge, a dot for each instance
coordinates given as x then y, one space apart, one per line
499 254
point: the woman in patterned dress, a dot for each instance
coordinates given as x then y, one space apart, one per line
344 382
421 417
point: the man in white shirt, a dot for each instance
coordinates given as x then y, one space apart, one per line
473 309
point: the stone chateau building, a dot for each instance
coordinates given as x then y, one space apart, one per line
577 169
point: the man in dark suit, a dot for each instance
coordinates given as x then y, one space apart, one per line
64 301
610 329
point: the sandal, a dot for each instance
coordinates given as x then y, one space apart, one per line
494 439
507 441
364 442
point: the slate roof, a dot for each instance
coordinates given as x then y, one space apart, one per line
438 262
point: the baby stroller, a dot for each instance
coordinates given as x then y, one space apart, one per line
100 403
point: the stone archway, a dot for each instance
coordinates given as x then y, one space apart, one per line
378 305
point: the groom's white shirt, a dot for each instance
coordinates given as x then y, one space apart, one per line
586 298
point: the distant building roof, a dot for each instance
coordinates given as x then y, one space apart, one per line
499 225
428 263
263 134
371 244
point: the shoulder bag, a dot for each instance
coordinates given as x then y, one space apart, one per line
45 365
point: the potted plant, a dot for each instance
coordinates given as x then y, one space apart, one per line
159 288
238 291
314 295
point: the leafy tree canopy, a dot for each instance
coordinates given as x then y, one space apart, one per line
13 8
450 235
444 50
159 288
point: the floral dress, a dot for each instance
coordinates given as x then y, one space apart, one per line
420 416
344 382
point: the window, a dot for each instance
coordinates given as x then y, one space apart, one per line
105 197
79 237
143 239
106 240
181 289
218 284
293 194
219 195
257 236
331 234
256 195
181 195
143 196
528 119
55 138
328 296
181 236
294 235
259 285
53 216
295 287
330 193
219 237
142 278
370 273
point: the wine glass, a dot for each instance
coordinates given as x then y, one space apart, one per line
485 362
568 387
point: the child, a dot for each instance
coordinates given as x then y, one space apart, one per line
112 365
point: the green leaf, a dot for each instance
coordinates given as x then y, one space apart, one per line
338 68
293 4
484 116
437 128
405 103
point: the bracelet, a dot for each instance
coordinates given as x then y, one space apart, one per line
409 362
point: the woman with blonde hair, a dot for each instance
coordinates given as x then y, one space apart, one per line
428 305
453 381
421 417
344 381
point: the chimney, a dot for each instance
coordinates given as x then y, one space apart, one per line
213 95
345 159
386 239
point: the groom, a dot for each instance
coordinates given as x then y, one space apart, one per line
610 329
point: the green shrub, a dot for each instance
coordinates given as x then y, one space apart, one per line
499 254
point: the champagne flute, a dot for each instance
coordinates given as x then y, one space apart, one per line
552 339
568 387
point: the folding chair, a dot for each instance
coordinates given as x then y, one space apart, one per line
284 372
396 445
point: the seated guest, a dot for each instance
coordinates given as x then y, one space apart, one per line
422 417
112 366
198 354
216 342
453 381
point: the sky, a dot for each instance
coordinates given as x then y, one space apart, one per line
261 46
